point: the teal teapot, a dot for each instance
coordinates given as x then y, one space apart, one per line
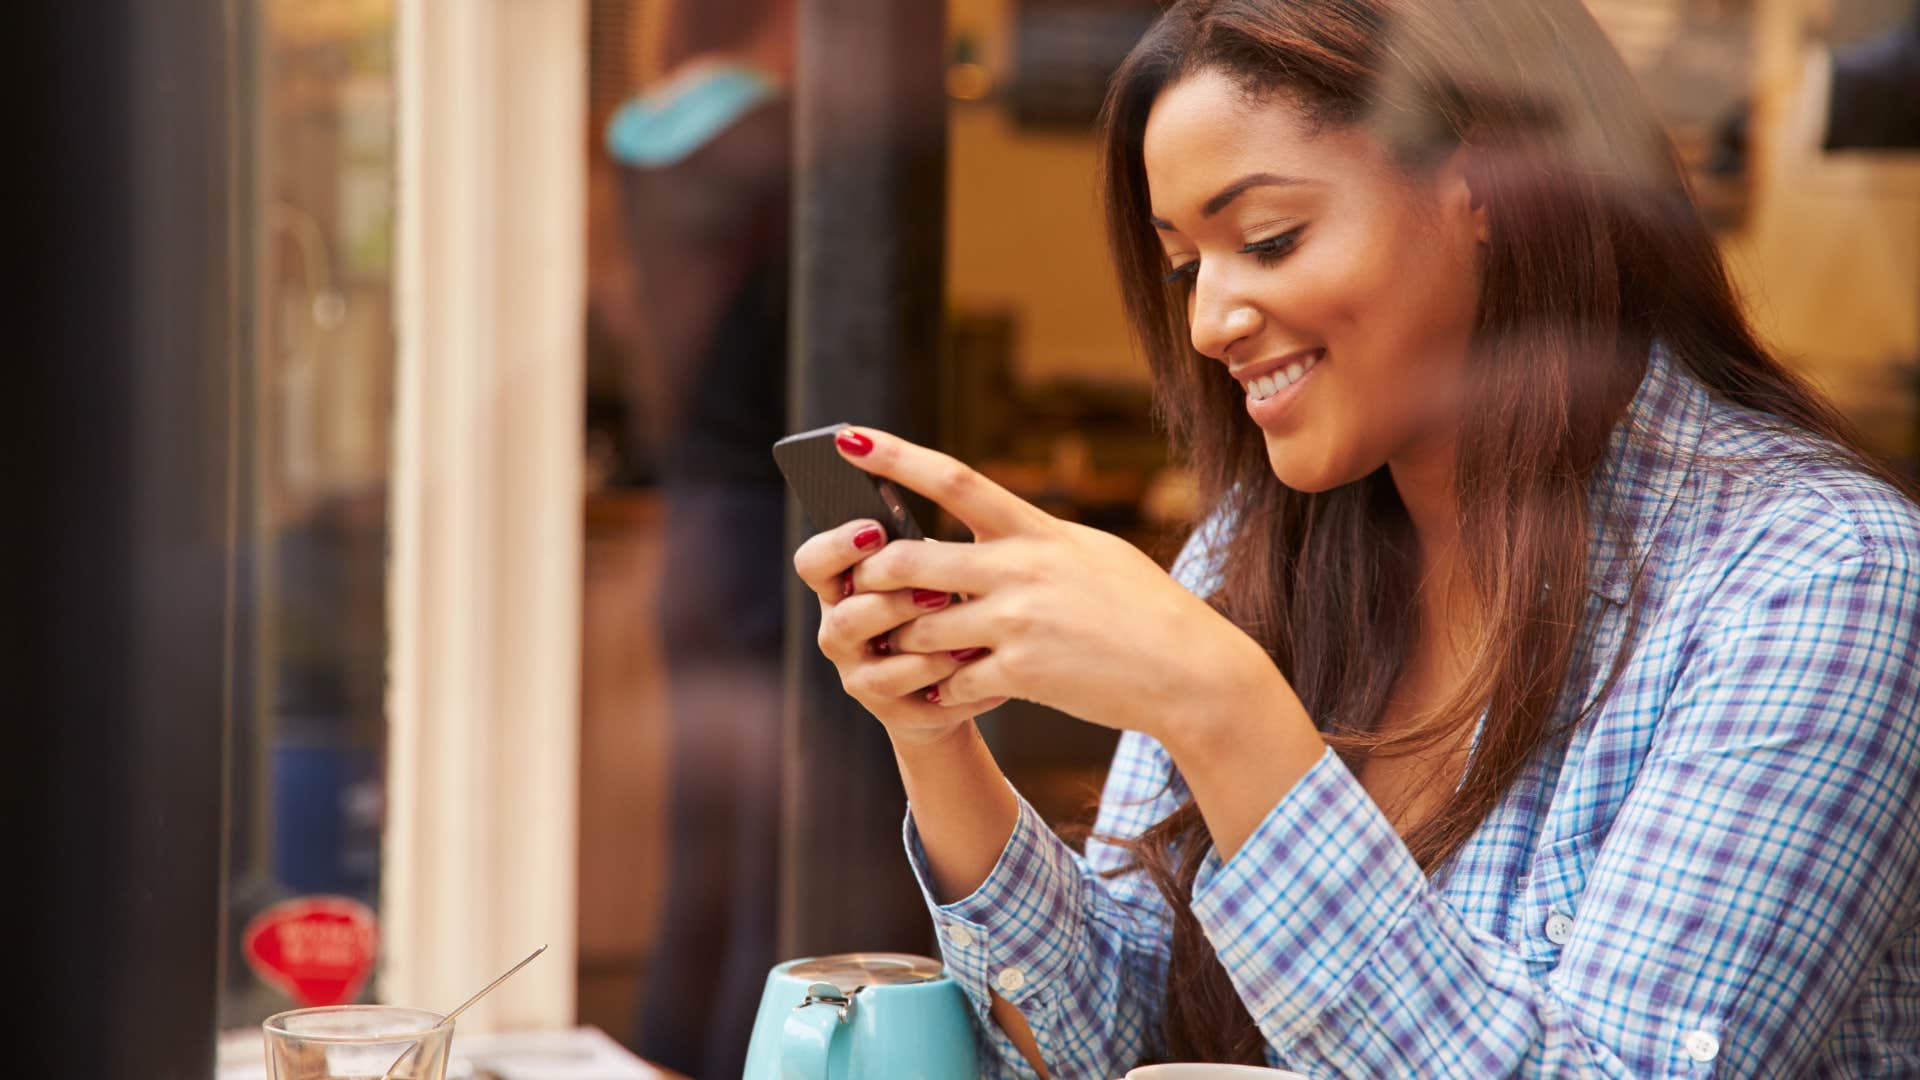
862 1016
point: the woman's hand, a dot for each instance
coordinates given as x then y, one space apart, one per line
1055 612
853 627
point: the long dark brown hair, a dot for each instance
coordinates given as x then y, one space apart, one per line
1595 252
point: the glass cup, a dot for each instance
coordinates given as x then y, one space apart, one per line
356 1042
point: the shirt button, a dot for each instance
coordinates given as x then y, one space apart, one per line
1701 1045
1559 928
1011 979
959 936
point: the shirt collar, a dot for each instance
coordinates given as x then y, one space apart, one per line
1649 456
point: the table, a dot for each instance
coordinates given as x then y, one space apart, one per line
581 1053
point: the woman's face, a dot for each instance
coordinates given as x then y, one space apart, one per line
1338 290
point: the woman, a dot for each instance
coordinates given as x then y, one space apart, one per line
1544 701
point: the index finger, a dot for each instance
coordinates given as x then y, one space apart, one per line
980 504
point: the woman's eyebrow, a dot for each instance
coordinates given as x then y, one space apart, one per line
1233 191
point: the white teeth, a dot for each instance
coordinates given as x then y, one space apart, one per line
1259 389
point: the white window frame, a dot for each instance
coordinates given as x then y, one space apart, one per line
484 577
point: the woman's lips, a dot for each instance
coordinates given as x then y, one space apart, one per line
1278 376
1270 396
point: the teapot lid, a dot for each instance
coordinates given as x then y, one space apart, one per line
851 971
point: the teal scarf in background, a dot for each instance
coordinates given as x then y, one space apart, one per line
665 125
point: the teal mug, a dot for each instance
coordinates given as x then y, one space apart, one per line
862 1016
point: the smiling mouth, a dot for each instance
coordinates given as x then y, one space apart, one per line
1262 387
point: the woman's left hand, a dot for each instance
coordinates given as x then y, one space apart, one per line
1067 616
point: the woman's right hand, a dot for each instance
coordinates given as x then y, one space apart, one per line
854 626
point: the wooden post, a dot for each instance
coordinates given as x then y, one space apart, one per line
869 221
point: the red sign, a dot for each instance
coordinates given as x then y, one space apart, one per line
319 950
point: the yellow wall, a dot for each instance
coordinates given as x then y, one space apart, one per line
1023 228
1829 261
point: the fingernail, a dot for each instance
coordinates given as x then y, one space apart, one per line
869 537
853 443
930 598
880 646
846 585
964 655
933 695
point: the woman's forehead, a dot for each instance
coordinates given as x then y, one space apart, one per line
1204 132
1208 111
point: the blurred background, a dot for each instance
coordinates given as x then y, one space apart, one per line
443 342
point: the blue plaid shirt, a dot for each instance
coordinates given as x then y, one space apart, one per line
1714 875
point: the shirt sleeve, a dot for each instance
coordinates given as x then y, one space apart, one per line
1078 947
1080 954
1764 857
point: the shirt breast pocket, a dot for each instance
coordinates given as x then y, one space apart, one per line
1549 907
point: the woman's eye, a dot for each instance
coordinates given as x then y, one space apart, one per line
1267 252
1274 248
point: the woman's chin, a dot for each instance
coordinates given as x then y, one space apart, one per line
1301 471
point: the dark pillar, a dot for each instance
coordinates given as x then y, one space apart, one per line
118 492
869 221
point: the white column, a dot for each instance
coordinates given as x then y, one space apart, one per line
484 577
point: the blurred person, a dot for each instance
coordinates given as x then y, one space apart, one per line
1541 694
705 156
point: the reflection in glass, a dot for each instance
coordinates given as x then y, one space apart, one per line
307 768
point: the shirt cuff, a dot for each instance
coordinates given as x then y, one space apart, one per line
1017 933
1306 902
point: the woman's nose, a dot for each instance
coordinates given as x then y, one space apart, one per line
1219 319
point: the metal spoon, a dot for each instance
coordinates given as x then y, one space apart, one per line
448 1019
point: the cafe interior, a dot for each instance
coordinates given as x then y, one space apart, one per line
449 617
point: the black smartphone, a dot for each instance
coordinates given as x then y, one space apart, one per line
833 492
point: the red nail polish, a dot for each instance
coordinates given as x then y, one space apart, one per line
869 537
964 655
930 598
881 647
933 695
846 585
854 443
